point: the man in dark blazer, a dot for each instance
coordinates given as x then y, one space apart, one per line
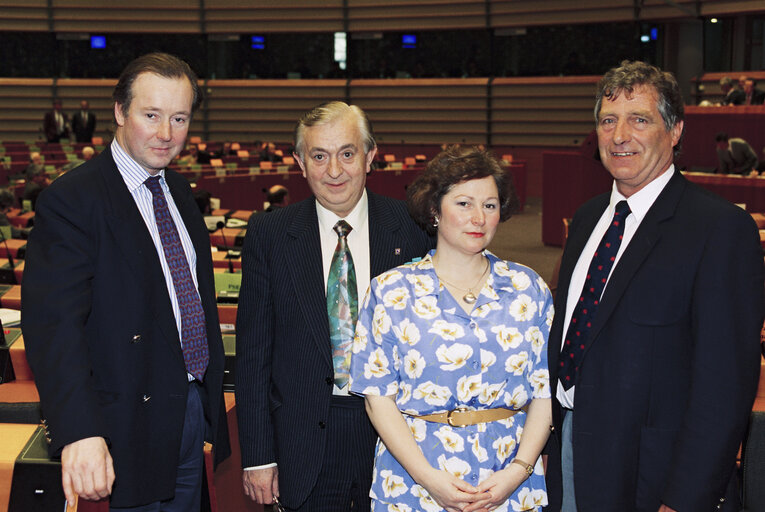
126 407
303 438
56 123
665 373
84 123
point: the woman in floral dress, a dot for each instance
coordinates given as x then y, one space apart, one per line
450 354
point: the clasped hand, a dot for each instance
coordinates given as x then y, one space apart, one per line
456 495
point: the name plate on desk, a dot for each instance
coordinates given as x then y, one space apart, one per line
227 287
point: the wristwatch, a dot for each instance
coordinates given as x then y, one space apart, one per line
528 467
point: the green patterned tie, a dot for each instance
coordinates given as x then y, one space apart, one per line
342 304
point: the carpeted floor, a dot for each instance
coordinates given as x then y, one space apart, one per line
520 239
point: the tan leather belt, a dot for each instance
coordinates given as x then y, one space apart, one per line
462 417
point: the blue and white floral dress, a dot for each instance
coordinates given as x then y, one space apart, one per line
414 341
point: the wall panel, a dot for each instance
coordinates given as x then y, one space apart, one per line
24 15
426 110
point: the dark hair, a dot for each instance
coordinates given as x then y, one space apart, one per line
629 75
6 198
722 136
448 168
162 64
276 194
327 113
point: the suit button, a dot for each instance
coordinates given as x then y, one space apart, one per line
136 338
322 424
146 398
329 381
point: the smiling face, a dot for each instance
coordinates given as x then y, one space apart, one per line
635 145
335 164
469 216
153 131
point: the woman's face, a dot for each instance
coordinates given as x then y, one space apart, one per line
469 216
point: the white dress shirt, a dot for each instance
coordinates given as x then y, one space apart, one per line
639 202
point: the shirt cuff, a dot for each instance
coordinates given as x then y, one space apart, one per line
264 466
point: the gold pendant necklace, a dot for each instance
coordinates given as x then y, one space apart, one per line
469 297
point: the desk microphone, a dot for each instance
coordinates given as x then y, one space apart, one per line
10 276
221 226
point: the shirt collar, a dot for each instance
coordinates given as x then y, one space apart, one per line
357 217
500 276
642 200
131 171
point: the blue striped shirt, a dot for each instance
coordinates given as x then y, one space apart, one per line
135 176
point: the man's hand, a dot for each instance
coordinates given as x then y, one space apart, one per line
87 469
665 508
261 485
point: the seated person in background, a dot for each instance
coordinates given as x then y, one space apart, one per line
37 180
735 155
268 153
277 197
753 95
733 95
35 166
87 153
6 203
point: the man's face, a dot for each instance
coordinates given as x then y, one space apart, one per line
634 144
154 129
335 164
57 105
84 105
748 86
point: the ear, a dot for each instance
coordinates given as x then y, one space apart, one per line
677 131
370 157
118 115
300 162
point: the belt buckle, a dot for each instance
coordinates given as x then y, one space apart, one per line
449 419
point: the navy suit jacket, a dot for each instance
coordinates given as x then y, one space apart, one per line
100 332
670 371
284 371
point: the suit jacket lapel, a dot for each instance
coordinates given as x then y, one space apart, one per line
643 241
303 259
382 237
129 231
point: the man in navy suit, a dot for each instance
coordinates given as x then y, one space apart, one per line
114 298
303 438
650 415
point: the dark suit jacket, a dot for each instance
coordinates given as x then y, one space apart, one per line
669 375
100 332
284 370
50 128
83 129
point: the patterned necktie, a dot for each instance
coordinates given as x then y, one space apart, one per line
342 304
587 305
193 329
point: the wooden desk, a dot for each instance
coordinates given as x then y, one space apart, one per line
11 299
219 261
14 245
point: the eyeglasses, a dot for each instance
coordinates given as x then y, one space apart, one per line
277 506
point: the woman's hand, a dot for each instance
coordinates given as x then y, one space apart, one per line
496 489
453 494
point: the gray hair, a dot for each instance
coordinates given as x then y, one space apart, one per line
327 113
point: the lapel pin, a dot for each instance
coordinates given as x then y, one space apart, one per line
397 251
